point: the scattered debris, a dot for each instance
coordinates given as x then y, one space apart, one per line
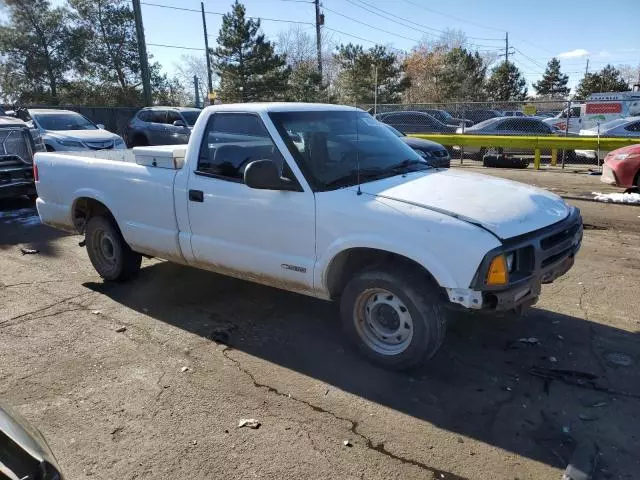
566 430
588 417
529 341
583 462
326 392
195 442
553 359
121 329
145 310
184 369
96 312
29 251
619 359
508 389
560 337
599 405
460 440
347 443
633 198
249 422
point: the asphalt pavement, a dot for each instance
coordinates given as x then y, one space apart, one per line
149 379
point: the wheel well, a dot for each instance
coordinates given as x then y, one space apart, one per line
349 262
139 139
84 208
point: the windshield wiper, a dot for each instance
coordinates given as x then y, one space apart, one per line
403 165
364 174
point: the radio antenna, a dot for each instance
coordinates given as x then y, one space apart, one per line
357 155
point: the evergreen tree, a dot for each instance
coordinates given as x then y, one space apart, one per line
553 82
247 64
609 79
506 83
463 75
362 72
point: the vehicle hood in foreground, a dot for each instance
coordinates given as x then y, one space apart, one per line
427 145
504 207
82 135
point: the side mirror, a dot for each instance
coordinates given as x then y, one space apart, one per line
179 123
264 175
100 126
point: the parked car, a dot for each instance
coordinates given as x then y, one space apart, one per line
324 201
435 154
415 122
25 453
506 126
446 118
67 131
477 116
622 167
161 126
18 143
514 113
559 122
621 127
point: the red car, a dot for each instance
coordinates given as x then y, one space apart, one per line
622 167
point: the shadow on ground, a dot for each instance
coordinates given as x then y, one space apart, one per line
20 225
479 385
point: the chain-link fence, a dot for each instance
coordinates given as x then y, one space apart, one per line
606 116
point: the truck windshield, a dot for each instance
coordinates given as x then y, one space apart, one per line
334 148
64 121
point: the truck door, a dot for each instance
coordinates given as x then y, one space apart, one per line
266 236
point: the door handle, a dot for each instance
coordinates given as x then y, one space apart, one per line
196 196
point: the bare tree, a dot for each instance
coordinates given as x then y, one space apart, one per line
630 73
191 66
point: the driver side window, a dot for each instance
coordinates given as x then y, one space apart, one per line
232 141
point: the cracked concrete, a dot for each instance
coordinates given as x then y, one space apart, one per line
117 405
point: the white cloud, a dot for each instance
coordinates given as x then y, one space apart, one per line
577 53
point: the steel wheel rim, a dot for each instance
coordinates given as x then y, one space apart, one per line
106 250
383 321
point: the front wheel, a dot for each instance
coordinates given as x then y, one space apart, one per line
394 316
108 251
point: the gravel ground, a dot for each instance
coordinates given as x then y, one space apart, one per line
162 399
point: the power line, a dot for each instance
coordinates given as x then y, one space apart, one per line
407 20
370 26
170 7
175 46
530 59
350 35
451 16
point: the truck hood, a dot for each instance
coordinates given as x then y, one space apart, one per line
505 208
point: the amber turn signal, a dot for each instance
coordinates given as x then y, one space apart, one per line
498 274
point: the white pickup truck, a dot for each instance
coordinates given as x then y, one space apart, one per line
325 201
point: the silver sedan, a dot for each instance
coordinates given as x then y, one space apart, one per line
621 127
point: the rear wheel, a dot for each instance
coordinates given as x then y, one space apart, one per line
109 253
140 141
394 315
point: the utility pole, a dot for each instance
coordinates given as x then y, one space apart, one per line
142 52
586 70
375 89
206 49
319 23
506 50
196 85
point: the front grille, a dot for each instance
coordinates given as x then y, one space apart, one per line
105 145
15 147
557 238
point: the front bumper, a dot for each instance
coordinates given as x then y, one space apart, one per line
16 182
547 254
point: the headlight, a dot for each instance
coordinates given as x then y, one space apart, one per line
70 143
424 154
623 156
119 141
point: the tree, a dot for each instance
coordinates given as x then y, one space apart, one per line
37 44
110 54
506 83
363 72
463 75
553 82
247 64
191 66
609 79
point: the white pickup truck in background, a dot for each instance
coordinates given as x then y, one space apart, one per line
324 201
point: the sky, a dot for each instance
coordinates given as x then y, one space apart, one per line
603 32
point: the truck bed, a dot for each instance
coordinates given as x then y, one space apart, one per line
146 212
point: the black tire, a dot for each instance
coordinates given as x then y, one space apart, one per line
140 141
109 253
411 289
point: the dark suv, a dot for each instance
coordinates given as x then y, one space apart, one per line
161 126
